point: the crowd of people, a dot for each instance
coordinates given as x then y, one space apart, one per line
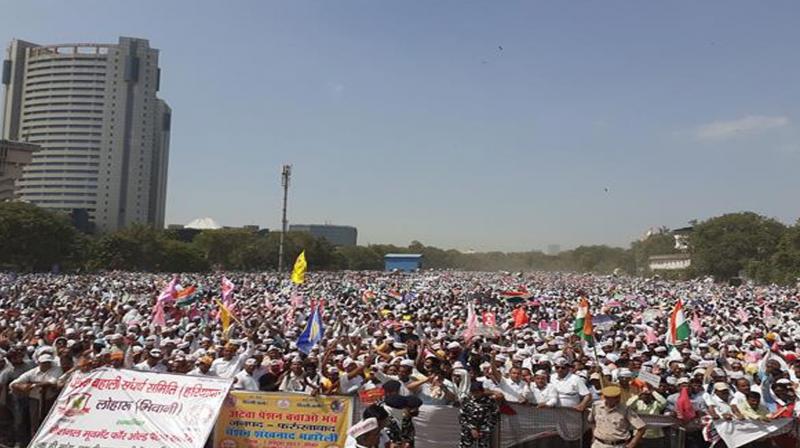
413 336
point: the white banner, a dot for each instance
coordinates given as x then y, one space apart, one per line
117 408
741 432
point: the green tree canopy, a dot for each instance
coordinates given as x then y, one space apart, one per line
32 238
726 245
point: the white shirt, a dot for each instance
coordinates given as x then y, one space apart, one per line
36 375
349 386
224 368
245 381
515 392
541 396
567 392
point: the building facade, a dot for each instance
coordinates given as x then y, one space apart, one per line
336 235
103 132
13 157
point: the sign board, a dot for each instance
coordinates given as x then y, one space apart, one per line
271 420
649 378
118 408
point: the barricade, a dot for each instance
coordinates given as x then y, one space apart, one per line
438 426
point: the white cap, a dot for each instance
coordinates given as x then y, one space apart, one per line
45 358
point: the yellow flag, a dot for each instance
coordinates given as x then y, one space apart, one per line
299 271
224 316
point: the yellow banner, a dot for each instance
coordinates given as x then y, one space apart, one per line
280 420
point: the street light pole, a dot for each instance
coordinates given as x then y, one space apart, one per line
285 175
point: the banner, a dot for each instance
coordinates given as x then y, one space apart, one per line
117 408
741 432
267 420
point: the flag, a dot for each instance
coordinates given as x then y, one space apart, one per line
683 406
299 271
167 295
472 323
224 317
583 321
187 296
489 319
678 329
520 317
227 293
697 326
313 333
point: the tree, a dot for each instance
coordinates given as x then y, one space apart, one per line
784 265
136 248
227 248
182 257
727 245
34 239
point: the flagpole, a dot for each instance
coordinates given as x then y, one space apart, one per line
597 361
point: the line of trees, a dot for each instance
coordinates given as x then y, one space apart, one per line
737 244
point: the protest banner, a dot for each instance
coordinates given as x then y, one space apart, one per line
121 408
271 420
649 378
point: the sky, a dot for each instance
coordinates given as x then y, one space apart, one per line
465 124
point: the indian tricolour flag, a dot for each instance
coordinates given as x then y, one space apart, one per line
583 321
678 325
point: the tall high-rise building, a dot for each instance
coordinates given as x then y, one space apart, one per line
103 132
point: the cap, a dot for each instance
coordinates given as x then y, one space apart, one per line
720 386
45 358
611 391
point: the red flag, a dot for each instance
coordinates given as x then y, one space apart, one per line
489 319
683 406
520 317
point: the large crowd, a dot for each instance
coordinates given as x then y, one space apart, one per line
410 335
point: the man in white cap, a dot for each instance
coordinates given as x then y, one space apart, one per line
364 434
244 380
40 386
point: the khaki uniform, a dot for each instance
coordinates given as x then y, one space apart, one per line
613 426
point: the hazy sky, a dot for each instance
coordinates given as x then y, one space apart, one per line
407 120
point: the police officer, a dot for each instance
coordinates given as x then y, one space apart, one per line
614 422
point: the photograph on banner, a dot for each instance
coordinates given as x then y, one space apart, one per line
121 408
267 420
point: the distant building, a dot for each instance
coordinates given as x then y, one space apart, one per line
13 157
336 235
682 238
103 131
402 262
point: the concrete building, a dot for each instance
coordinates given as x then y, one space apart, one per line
336 235
103 131
13 157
